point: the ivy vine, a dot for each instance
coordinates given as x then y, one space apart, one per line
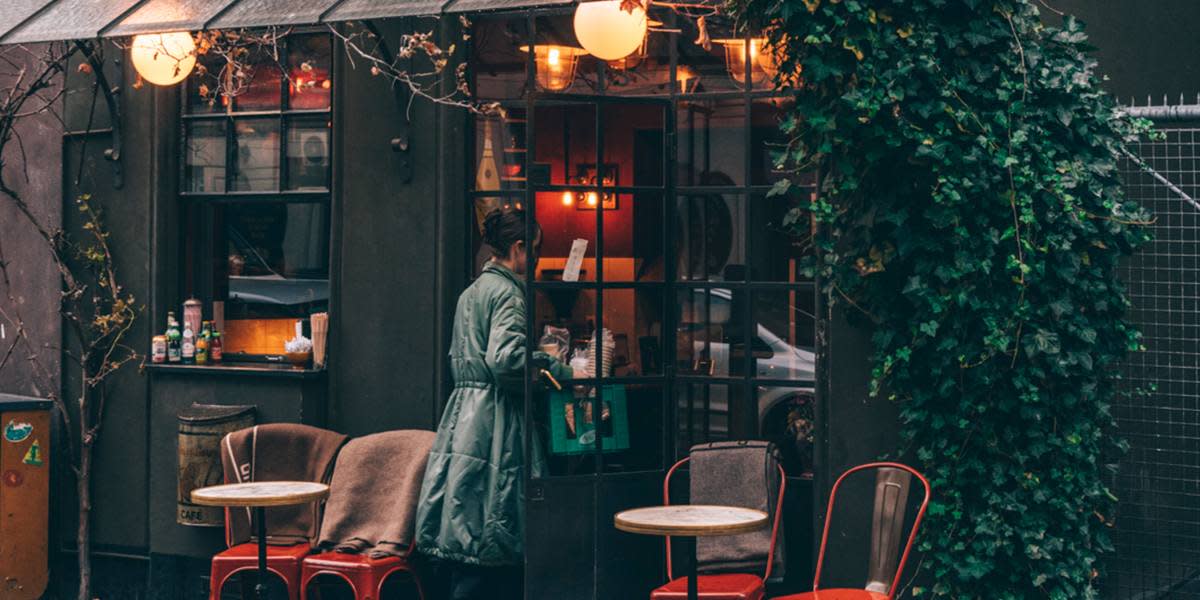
971 208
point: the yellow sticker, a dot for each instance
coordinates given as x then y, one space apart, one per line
34 456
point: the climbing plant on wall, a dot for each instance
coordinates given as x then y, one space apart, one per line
971 210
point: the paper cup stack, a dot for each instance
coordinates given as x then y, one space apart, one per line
319 323
606 353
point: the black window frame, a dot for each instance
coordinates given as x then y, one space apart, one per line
747 382
197 279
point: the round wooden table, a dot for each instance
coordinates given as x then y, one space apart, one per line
259 495
691 521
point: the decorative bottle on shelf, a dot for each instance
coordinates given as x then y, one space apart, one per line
202 345
189 344
214 347
487 177
174 340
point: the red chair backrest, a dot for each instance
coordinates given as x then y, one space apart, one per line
774 525
911 537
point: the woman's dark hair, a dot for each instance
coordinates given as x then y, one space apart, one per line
504 227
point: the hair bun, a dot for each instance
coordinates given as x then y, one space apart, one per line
491 227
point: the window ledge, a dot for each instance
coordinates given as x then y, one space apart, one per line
235 370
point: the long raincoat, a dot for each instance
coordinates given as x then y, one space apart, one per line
470 509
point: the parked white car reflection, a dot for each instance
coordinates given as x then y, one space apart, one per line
711 310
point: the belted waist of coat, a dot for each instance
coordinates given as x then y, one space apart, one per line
471 373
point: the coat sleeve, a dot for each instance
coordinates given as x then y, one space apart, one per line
506 346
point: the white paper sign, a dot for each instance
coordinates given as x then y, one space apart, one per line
575 260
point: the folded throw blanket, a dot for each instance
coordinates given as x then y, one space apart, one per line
279 452
738 473
373 494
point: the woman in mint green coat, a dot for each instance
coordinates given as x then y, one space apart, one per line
470 512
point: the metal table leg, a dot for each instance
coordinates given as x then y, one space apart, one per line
260 586
693 585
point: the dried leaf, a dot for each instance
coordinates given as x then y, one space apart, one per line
703 40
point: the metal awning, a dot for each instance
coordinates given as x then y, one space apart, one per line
30 21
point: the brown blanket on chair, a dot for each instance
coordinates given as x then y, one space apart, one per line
279 452
373 495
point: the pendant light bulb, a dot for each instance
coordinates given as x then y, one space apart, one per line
163 58
606 31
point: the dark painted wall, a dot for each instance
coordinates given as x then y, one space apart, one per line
34 291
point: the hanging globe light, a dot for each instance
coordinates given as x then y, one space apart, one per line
606 31
163 58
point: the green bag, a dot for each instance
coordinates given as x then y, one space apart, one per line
573 432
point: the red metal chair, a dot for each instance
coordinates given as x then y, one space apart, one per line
720 586
283 561
364 574
891 500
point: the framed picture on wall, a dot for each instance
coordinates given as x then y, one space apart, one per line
585 174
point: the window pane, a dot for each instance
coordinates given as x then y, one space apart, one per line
781 246
262 89
633 238
204 157
784 338
257 155
788 418
202 85
277 253
704 412
564 227
498 62
635 319
308 154
709 332
767 139
569 309
562 64
709 237
711 142
703 70
309 71
500 152
632 418
564 144
634 142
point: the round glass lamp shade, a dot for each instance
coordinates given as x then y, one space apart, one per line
555 65
606 31
163 58
764 62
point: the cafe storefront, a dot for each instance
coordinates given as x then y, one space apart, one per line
323 188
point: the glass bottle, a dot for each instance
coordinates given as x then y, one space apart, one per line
174 340
214 347
189 344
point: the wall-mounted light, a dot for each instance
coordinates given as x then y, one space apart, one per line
555 65
764 64
607 31
163 58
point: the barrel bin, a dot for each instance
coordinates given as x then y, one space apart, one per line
24 496
201 428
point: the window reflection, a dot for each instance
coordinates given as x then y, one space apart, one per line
711 142
709 237
788 418
204 157
783 237
498 63
703 414
257 166
264 86
784 334
309 72
709 337
308 154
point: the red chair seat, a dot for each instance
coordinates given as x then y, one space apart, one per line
283 561
364 574
722 586
835 594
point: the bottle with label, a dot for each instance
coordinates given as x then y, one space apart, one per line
174 340
202 346
158 349
189 344
214 347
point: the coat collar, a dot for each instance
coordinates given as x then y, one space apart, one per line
499 269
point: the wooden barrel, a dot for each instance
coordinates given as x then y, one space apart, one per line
201 428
